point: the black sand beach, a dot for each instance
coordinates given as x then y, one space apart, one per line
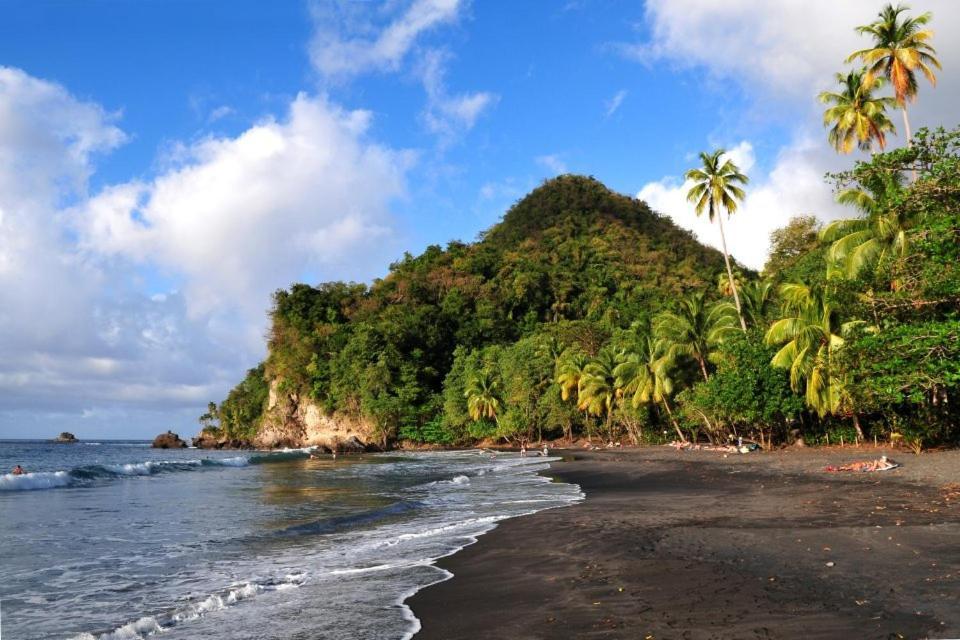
697 545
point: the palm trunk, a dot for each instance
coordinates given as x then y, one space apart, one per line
703 367
906 129
906 124
666 405
733 285
856 425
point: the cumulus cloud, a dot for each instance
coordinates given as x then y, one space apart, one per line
351 38
241 216
779 55
72 331
84 333
795 186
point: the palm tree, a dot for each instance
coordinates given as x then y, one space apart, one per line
757 300
598 389
859 244
900 48
570 369
811 336
856 114
716 185
644 376
695 328
723 284
483 396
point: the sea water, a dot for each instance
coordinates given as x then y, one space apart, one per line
115 540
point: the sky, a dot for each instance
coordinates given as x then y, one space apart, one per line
165 165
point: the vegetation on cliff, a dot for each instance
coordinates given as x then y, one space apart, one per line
585 313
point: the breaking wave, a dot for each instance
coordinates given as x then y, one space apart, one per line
151 625
90 474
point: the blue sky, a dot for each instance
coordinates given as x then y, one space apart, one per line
166 165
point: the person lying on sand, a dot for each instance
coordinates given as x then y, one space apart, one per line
18 470
881 464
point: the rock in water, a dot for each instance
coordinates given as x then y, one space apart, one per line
168 440
350 445
66 436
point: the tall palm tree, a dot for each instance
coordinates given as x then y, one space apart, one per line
598 389
716 186
644 377
811 336
901 47
857 116
483 396
859 244
695 328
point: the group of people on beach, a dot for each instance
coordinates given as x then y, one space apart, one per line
523 450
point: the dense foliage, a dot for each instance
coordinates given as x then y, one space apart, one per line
567 264
584 313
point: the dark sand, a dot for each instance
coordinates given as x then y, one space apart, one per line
695 545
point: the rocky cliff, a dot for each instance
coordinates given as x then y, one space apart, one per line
294 421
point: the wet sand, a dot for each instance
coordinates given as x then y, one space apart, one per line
697 545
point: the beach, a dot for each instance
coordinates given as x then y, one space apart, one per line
699 544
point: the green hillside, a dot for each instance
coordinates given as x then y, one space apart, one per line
572 256
583 313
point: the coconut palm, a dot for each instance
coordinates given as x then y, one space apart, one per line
859 244
644 377
856 115
570 369
810 337
483 396
901 47
598 389
758 297
695 328
723 284
716 186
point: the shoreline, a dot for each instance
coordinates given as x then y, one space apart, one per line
674 544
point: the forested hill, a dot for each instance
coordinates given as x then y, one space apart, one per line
572 257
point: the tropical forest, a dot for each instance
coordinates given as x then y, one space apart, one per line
584 314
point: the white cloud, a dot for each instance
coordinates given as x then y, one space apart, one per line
229 220
611 105
220 112
794 187
348 42
552 162
780 55
449 115
353 38
242 216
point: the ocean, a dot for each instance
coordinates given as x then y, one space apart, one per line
114 540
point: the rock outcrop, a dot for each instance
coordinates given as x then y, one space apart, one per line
293 421
212 440
168 440
66 437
